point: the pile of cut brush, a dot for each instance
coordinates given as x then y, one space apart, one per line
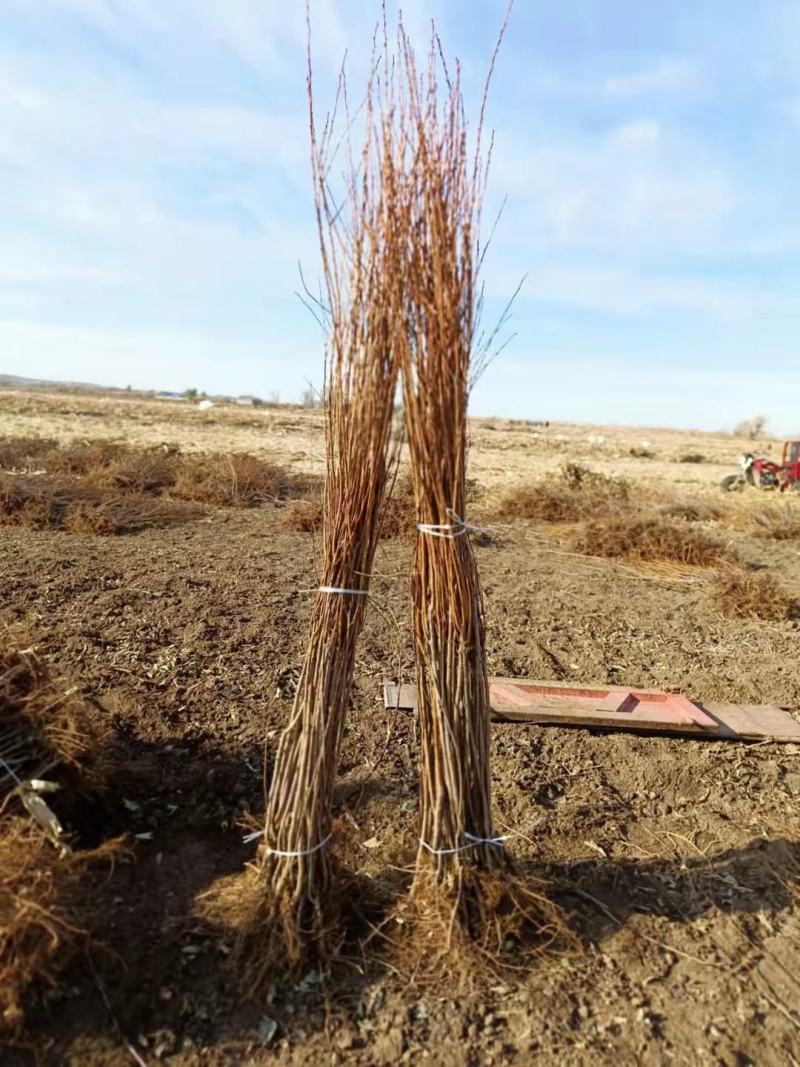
109 487
46 748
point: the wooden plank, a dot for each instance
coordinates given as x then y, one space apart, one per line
619 708
756 722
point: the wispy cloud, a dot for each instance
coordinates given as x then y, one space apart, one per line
154 189
632 186
668 75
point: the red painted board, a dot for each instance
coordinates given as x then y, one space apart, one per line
619 707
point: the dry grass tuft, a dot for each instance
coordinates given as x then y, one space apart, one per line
778 522
693 510
739 594
303 516
44 909
44 723
648 538
45 503
45 731
104 487
692 457
23 453
237 480
112 465
572 494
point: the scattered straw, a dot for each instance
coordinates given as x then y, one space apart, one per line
740 594
44 910
574 493
649 538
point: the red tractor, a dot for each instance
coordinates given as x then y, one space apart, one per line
765 473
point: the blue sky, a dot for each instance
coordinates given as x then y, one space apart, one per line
155 198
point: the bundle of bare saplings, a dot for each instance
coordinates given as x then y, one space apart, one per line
401 257
465 895
284 909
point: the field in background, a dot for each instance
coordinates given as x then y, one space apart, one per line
505 452
610 557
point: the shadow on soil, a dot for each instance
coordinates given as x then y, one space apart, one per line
161 983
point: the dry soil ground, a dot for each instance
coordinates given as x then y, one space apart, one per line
677 860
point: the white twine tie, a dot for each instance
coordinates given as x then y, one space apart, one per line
342 591
450 530
282 852
473 840
336 589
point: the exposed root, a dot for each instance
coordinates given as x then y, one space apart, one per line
44 908
43 722
484 924
46 730
274 932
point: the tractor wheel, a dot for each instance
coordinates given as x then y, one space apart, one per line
732 484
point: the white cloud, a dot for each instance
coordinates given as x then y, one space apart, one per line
155 171
635 186
637 292
668 75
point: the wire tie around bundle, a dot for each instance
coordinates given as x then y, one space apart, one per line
443 851
471 843
450 530
342 591
487 840
12 773
474 839
287 854
337 590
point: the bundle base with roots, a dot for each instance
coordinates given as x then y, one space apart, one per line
283 910
465 898
277 925
468 904
479 925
